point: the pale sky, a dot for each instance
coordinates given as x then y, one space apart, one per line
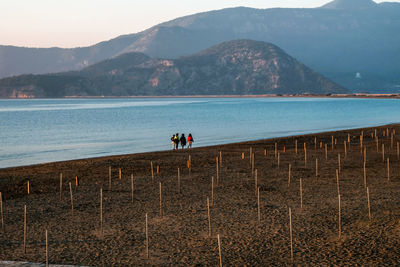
72 23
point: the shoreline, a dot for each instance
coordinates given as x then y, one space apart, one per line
200 147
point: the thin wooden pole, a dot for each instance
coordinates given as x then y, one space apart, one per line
369 205
251 153
161 211
258 205
24 229
326 151
72 199
120 173
209 218
76 181
60 186
190 166
276 149
158 168
332 142
391 141
315 143
365 154
1 210
316 167
265 152
256 181
219 249
101 212
305 155
339 162
220 159
212 191
377 143
340 219
291 234
301 194
132 188
383 152
388 169
28 186
252 156
365 174
337 182
290 174
179 181
345 149
47 250
242 155
109 178
296 146
147 238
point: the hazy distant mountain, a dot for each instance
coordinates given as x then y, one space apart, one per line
354 42
241 67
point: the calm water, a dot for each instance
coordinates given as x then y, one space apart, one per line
37 131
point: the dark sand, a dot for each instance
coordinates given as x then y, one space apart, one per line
180 236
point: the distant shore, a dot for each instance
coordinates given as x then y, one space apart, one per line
358 95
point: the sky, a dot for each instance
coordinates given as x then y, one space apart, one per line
73 23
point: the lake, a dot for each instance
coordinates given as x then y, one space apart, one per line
47 130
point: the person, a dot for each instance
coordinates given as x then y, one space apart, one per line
176 140
190 140
183 141
172 141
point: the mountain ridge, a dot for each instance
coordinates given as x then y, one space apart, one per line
240 67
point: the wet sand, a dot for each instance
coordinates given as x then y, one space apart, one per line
180 236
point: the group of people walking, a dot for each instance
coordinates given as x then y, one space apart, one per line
175 139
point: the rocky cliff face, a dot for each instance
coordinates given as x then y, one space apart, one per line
240 67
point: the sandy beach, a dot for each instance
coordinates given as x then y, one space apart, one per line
251 234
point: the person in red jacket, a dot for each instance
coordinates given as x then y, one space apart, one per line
190 140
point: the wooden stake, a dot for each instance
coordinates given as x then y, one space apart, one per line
320 145
339 162
316 167
1 210
348 138
365 154
60 186
290 174
391 141
28 186
101 212
252 164
326 151
345 149
258 205
120 173
212 191
109 178
220 159
24 229
383 152
377 144
47 250
132 188
251 153
315 143
369 205
365 175
296 146
305 155
301 194
209 218
72 199
161 211
242 156
276 149
147 238
179 181
158 168
291 234
340 219
219 249
337 182
76 181
256 181
265 152
388 169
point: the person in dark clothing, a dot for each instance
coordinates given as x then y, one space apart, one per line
176 141
190 140
183 141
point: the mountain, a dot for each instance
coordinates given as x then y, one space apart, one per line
353 42
240 67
